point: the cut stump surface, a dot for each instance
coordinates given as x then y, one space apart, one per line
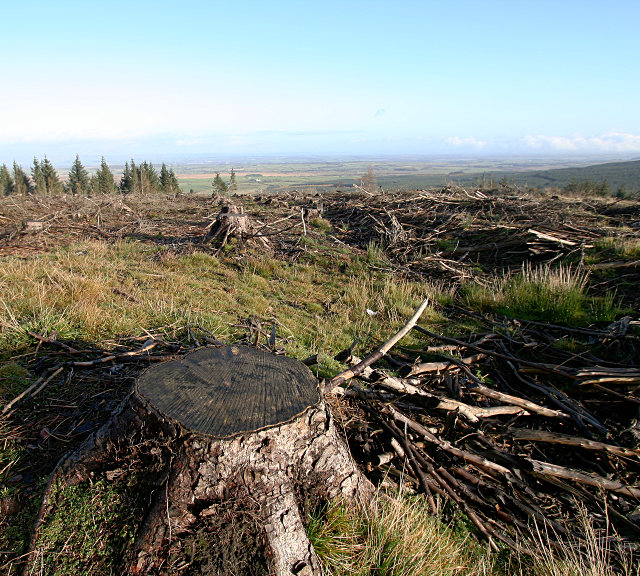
221 392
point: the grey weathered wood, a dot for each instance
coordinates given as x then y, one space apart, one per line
225 391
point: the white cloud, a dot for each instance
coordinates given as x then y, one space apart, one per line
608 142
467 142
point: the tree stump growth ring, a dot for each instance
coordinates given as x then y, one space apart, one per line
222 392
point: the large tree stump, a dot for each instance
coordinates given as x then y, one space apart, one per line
234 427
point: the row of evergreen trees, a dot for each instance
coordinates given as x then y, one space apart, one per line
44 180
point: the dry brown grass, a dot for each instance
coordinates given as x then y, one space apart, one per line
400 537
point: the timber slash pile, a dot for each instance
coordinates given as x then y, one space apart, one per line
512 416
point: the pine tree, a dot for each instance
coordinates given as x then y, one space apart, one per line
78 184
233 186
21 183
164 179
135 178
168 181
104 179
125 180
149 181
130 181
174 185
52 183
37 176
219 185
6 181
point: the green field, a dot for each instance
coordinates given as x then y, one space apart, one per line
257 176
282 175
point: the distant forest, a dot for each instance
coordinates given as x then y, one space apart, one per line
44 179
620 179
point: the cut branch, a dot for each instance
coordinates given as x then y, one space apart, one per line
379 353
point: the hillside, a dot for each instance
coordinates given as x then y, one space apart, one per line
617 174
528 343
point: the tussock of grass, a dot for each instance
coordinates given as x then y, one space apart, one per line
399 537
320 224
594 554
395 538
616 247
543 293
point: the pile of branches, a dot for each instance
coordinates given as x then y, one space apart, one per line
510 426
35 223
453 233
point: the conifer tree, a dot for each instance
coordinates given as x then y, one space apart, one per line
130 181
52 183
219 185
164 178
78 184
233 185
168 181
6 181
125 180
135 178
104 179
21 183
37 177
149 182
174 185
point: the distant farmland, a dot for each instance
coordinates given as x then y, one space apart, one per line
271 177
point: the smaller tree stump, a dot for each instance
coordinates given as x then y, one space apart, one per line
232 222
231 424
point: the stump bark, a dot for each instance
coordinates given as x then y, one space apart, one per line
223 430
232 222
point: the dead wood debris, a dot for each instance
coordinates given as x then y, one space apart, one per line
458 236
509 427
75 390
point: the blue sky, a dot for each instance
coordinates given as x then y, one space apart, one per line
319 77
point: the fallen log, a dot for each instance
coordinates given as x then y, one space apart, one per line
479 461
479 388
555 239
425 367
544 469
471 413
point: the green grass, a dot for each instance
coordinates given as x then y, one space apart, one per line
543 293
614 247
393 538
94 291
400 537
321 224
92 539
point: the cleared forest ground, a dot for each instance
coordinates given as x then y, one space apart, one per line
94 289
